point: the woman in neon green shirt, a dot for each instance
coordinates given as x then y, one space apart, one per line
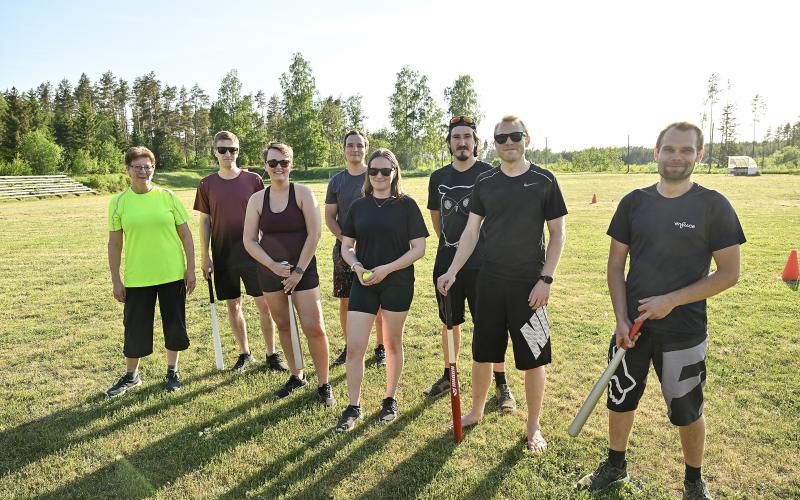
152 225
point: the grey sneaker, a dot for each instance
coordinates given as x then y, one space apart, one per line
172 382
325 394
290 385
695 490
439 388
605 476
124 383
380 355
388 410
341 359
505 400
242 362
348 419
275 363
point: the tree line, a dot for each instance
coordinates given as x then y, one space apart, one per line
85 128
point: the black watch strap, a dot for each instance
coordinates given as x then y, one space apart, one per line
546 279
298 270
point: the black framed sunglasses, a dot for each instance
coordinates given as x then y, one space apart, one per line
386 172
462 118
515 136
222 150
275 163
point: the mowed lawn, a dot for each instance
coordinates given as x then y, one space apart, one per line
224 436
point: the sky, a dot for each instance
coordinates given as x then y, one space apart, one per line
580 74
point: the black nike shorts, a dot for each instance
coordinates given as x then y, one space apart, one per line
680 364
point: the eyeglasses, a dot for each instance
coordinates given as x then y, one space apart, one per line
231 150
141 168
515 136
462 118
386 172
275 163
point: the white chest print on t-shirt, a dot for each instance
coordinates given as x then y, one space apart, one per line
684 225
454 199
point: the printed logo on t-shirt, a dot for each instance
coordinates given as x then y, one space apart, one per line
686 225
455 199
529 184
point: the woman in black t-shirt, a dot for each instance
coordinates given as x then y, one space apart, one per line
383 235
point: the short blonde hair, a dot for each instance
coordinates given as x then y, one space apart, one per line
287 151
512 119
224 135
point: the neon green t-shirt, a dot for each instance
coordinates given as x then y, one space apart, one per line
153 249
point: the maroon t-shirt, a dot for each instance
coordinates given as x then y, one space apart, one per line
225 200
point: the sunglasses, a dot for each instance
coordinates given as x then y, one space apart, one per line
275 163
462 118
515 136
223 150
386 172
142 168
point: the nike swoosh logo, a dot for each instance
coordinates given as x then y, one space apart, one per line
529 185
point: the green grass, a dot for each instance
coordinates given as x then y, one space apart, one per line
223 436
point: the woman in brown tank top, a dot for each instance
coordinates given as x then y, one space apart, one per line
286 216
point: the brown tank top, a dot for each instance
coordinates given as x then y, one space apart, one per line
283 234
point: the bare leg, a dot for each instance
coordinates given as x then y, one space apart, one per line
619 429
359 325
379 327
534 392
309 309
131 364
238 325
279 307
693 441
393 323
265 317
343 303
481 380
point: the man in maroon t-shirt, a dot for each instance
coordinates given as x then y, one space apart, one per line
221 199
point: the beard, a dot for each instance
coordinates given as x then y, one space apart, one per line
462 155
675 173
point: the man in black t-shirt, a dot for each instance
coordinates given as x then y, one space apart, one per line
449 191
671 230
513 202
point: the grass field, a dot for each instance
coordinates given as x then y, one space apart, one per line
223 435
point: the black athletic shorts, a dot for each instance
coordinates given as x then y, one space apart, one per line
369 299
271 282
227 282
342 275
464 288
503 309
139 315
680 364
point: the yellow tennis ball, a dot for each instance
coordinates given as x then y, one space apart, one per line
366 275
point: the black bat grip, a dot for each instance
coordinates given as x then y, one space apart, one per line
448 311
210 289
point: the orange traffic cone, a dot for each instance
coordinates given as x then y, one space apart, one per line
791 272
594 199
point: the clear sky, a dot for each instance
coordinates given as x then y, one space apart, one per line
579 73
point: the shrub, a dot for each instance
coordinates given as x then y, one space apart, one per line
40 153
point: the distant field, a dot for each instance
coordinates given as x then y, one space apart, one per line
223 436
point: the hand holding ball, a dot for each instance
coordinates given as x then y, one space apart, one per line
366 275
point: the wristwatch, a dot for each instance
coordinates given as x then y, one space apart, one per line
546 279
298 270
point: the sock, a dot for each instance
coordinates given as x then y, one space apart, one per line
131 375
499 378
616 458
446 373
170 368
692 473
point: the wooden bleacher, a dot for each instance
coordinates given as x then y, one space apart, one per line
40 186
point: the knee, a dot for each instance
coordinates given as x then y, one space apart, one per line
234 305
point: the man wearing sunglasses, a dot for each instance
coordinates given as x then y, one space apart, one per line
343 189
221 199
509 207
449 191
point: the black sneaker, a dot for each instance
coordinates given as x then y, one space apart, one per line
439 388
124 383
341 359
293 383
325 394
380 355
348 419
275 363
388 410
241 363
505 400
695 490
172 382
605 476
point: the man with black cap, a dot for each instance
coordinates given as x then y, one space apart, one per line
449 191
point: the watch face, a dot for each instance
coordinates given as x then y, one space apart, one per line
546 279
